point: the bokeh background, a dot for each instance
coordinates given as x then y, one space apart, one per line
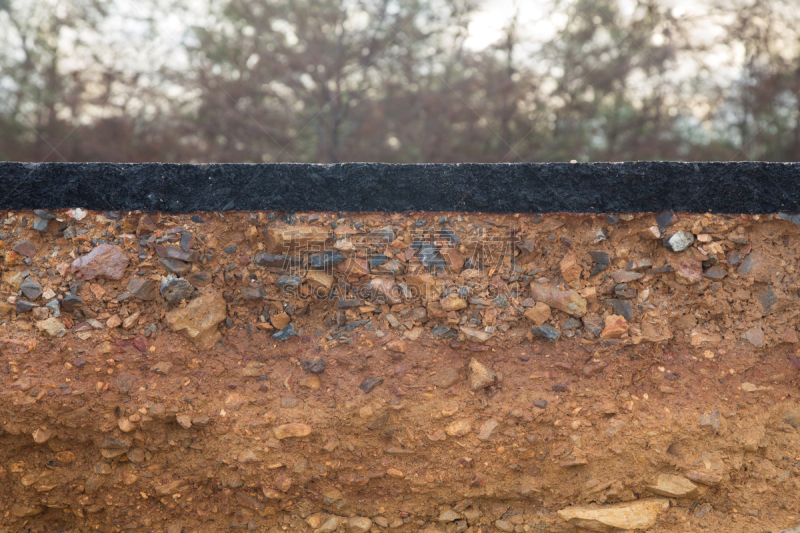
399 80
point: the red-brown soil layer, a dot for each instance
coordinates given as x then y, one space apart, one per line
128 412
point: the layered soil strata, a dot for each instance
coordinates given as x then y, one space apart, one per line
436 372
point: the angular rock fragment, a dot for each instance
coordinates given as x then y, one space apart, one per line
180 268
476 335
314 366
52 327
570 268
282 240
199 319
548 332
105 261
285 334
176 289
26 248
369 384
282 262
538 314
424 286
615 327
167 251
679 241
639 514
570 301
673 486
760 266
144 289
453 302
480 376
31 289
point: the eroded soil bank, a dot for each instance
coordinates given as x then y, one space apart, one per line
413 372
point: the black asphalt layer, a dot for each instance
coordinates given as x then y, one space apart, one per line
501 188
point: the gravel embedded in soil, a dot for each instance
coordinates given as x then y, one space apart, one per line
264 391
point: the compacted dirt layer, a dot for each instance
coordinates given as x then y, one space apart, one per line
435 372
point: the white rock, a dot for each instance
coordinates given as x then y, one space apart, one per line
639 514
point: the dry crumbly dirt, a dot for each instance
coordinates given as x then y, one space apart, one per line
131 414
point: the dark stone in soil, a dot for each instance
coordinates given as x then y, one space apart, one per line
315 366
370 383
285 334
548 332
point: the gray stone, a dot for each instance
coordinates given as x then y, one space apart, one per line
289 284
125 383
71 302
621 308
377 260
382 234
594 325
600 258
23 306
716 272
31 289
252 293
173 265
176 289
285 334
325 260
39 223
283 262
679 241
767 299
144 289
53 306
315 366
175 252
665 219
370 383
548 332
